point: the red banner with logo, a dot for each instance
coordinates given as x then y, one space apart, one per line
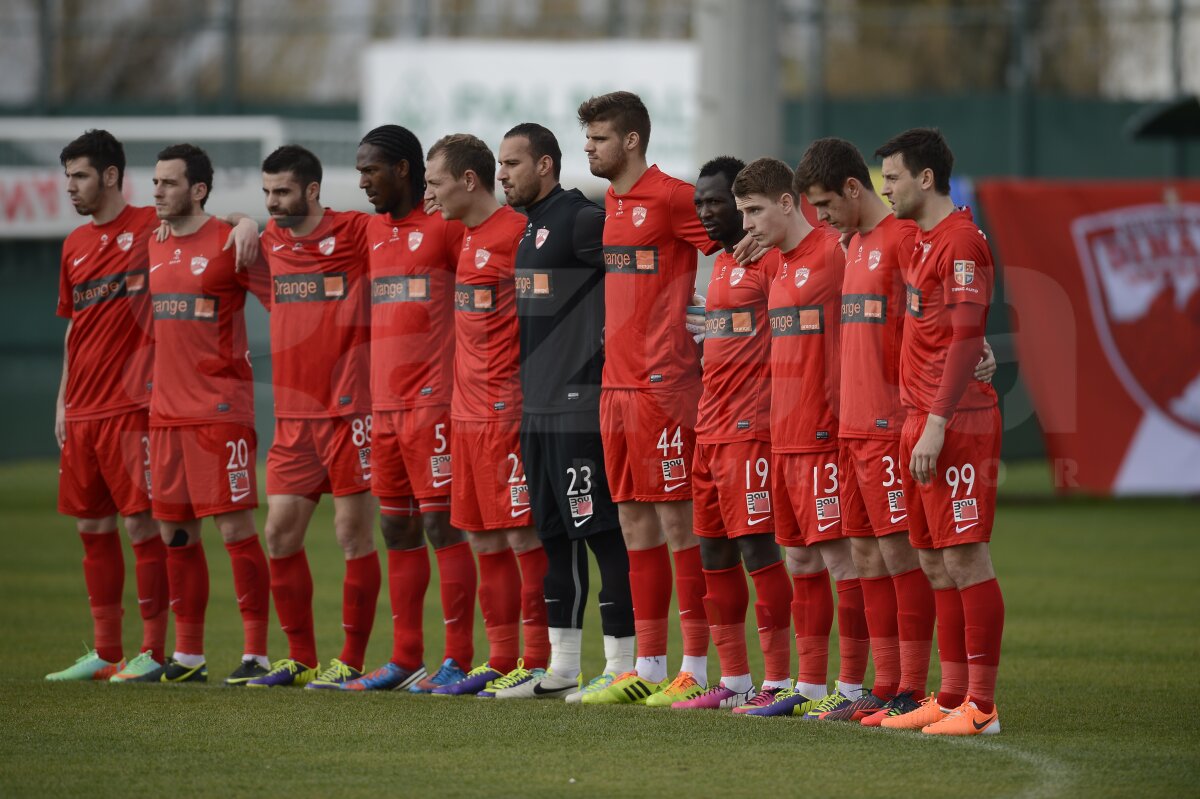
1103 284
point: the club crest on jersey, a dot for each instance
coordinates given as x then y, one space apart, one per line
239 482
439 465
965 510
873 259
828 509
481 258
736 276
674 469
639 215
801 276
199 264
964 272
540 237
581 507
519 495
326 245
758 502
896 502
414 240
125 241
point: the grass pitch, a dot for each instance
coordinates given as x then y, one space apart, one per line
1100 653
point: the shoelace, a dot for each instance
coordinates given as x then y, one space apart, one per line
337 670
446 673
599 683
828 703
287 664
765 698
512 679
139 661
682 682
475 672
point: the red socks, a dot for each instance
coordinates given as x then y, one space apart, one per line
252 586
408 578
854 641
983 612
150 566
774 624
360 592
690 588
458 578
534 564
879 599
104 574
914 620
726 602
812 611
650 587
292 588
952 647
500 601
187 571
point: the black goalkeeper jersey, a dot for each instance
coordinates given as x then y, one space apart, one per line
560 303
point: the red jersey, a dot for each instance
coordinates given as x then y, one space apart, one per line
872 327
651 235
320 321
412 309
201 358
805 301
736 403
103 288
951 264
487 382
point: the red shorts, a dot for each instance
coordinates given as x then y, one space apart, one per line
872 493
410 460
649 438
203 470
311 457
731 484
959 504
808 509
104 467
489 492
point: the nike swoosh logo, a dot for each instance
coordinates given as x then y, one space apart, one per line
973 657
763 629
378 244
582 522
823 527
242 598
277 247
528 621
677 485
758 520
979 726
450 621
602 604
537 689
239 497
517 513
156 266
900 518
142 601
962 528
78 261
684 612
440 483
548 601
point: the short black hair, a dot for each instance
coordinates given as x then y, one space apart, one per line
400 144
829 163
298 160
541 142
197 167
725 165
100 148
922 148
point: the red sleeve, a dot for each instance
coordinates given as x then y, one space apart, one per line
684 222
66 308
966 348
967 270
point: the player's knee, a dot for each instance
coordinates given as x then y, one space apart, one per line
487 543
400 532
139 527
717 554
898 553
439 531
758 551
523 540
968 564
803 560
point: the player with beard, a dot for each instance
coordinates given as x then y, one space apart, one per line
320 332
560 308
202 437
950 443
490 498
413 256
833 176
651 389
